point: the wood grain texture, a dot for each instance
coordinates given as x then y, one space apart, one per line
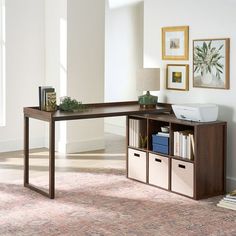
98 110
209 172
210 161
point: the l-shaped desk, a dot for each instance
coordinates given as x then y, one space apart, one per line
98 110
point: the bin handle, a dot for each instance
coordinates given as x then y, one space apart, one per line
182 166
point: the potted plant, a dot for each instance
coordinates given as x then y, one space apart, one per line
207 62
71 105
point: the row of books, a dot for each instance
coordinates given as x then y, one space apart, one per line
134 132
47 98
184 144
229 201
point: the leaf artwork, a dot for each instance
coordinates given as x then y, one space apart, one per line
207 59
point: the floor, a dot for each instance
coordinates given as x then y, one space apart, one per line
94 198
112 157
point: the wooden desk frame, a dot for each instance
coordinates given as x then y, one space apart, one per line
98 110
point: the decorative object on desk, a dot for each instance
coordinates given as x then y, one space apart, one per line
165 129
177 77
51 101
71 105
143 141
148 80
43 90
211 63
175 43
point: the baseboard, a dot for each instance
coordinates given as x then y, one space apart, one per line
114 129
230 184
15 145
80 146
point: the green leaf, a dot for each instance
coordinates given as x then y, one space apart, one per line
209 44
221 47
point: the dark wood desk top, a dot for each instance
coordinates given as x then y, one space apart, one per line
97 110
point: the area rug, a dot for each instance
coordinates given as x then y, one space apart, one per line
100 202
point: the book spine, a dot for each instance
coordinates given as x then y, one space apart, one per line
188 147
184 146
175 143
180 144
138 133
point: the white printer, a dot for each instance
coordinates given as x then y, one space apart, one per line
196 112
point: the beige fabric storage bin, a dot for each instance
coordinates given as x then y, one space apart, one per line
158 170
182 177
137 165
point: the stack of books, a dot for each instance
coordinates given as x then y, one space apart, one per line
229 201
47 98
184 144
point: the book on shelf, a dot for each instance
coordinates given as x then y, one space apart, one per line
50 101
134 133
43 90
183 144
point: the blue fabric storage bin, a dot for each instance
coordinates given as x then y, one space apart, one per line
160 140
160 148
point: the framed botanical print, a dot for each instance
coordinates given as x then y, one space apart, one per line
175 43
177 77
211 63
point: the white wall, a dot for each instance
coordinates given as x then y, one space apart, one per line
206 19
24 70
124 46
2 63
56 56
85 70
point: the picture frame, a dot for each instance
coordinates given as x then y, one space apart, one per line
211 63
177 77
175 43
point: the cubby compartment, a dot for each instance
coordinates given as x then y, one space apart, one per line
138 137
182 177
158 141
182 141
159 170
137 163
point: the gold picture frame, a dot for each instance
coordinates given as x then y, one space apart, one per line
175 43
177 77
213 75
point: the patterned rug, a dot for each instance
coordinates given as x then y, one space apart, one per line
103 202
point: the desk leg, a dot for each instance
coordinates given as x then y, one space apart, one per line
26 151
52 159
51 193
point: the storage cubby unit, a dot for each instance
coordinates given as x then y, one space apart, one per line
195 163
